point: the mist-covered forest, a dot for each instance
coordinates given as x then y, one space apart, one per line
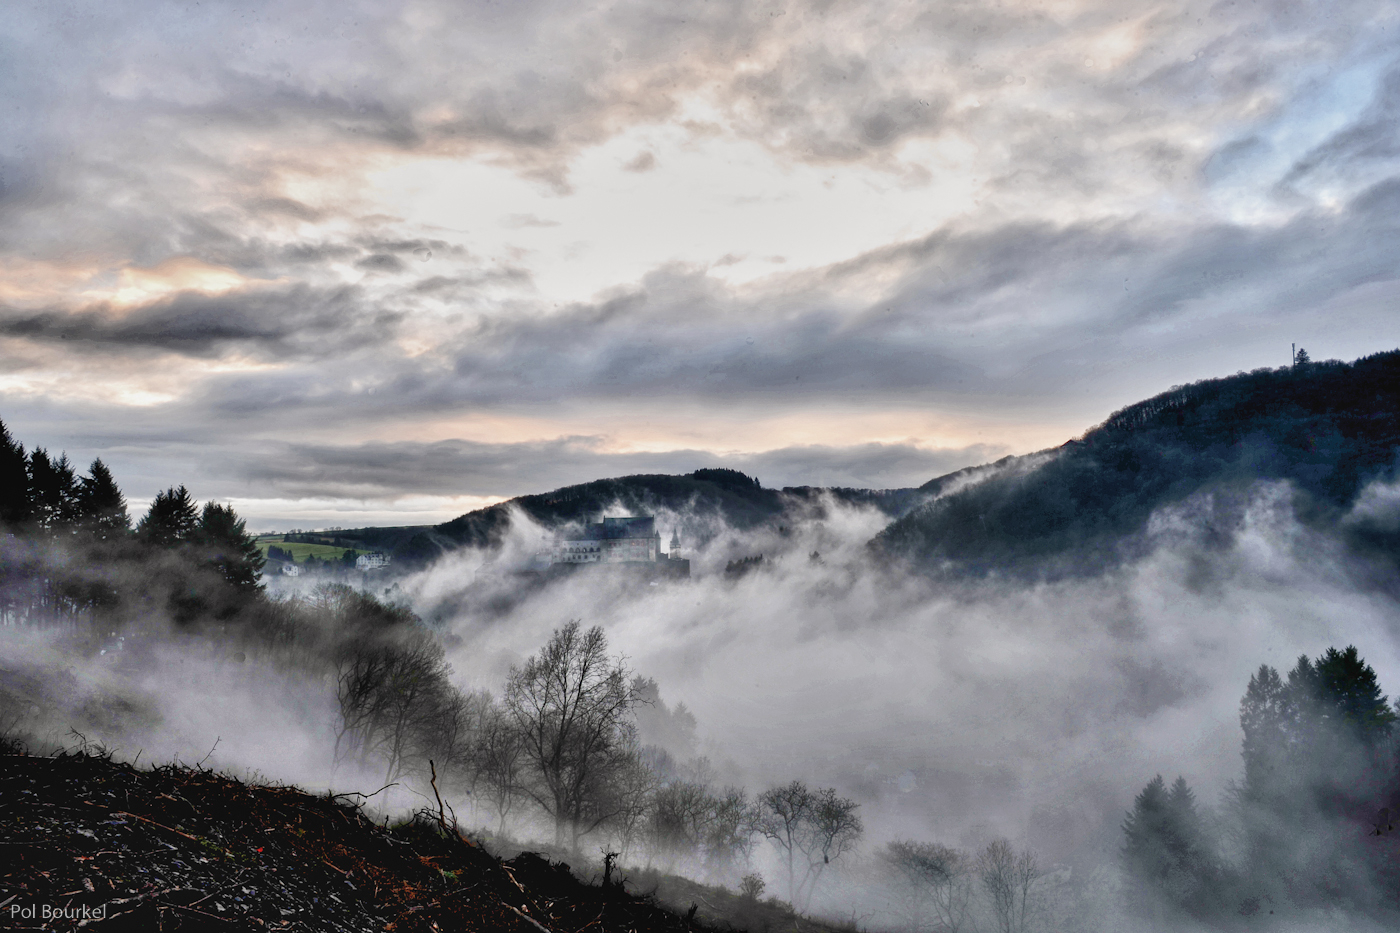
1136 682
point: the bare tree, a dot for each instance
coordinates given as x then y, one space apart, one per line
391 679
633 789
1008 878
417 693
810 830
681 814
932 887
499 764
571 703
732 831
457 734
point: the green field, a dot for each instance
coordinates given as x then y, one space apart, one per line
301 551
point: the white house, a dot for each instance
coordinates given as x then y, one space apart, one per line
372 561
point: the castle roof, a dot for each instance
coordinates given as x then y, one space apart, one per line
613 527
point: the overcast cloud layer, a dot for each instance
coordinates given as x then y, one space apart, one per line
388 261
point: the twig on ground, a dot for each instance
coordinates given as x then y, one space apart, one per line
355 793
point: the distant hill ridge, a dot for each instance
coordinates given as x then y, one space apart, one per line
725 495
1326 427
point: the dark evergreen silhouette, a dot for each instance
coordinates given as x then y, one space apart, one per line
228 547
171 519
14 481
53 492
101 506
1167 861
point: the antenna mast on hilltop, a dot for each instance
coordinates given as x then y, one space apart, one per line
1294 361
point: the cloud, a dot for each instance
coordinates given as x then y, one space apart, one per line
1152 197
464 468
277 321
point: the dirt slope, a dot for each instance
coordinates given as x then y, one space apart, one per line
187 849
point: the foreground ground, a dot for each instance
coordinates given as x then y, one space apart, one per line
108 846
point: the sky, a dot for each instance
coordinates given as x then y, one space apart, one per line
347 263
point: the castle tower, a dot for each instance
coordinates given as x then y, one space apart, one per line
675 544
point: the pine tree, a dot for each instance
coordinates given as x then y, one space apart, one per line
171 520
53 492
14 481
1348 693
101 506
1166 856
1146 857
1268 716
229 547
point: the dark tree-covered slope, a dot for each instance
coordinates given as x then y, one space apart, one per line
1326 427
727 494
724 496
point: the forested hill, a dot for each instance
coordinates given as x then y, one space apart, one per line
1327 427
726 496
709 496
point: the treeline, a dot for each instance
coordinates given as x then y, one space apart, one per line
579 746
562 747
69 551
346 561
1312 823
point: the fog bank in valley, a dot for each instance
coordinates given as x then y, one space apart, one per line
954 708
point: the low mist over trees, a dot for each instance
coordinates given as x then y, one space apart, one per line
810 829
932 885
571 705
1307 828
70 553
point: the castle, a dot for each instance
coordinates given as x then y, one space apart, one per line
631 540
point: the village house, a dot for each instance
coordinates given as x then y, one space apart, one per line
371 561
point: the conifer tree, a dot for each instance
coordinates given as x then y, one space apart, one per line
1166 858
1345 689
171 519
53 492
14 481
1146 859
229 546
1269 718
101 506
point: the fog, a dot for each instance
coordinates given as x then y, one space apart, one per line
950 709
1010 704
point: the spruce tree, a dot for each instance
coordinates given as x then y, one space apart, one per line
1348 693
1166 858
101 506
1269 719
229 547
14 482
171 519
53 492
1146 858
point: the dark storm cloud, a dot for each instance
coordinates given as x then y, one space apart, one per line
278 322
973 313
457 467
